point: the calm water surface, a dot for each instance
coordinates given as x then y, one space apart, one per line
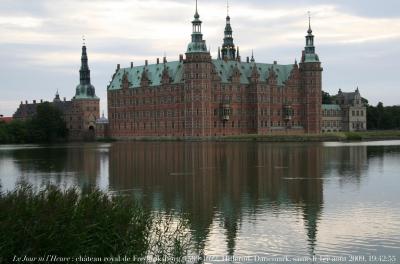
242 199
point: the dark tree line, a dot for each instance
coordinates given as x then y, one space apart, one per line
383 117
378 117
47 126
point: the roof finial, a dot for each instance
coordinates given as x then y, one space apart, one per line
83 40
252 56
227 7
309 23
196 15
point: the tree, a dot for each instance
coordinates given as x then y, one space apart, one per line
326 98
383 117
48 124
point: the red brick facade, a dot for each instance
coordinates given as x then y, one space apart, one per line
216 97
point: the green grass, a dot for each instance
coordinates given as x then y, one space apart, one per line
323 137
71 224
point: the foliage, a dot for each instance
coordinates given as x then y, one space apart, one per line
326 98
91 223
46 126
383 117
353 136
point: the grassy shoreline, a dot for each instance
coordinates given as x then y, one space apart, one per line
326 137
91 223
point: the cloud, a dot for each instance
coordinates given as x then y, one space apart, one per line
45 38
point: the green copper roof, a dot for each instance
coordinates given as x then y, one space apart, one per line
154 73
225 70
330 107
311 58
195 47
175 69
85 91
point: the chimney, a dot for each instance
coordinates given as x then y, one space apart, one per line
247 59
164 59
34 101
180 57
65 99
146 62
275 62
26 102
22 102
131 64
118 66
158 61
41 100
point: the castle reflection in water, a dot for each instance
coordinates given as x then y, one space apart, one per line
231 179
207 182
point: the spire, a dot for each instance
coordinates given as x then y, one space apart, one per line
309 49
84 71
252 56
228 47
309 23
85 89
57 97
197 44
196 15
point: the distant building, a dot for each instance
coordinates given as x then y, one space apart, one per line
102 130
80 114
203 96
348 113
5 119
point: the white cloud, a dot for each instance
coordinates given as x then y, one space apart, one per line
122 31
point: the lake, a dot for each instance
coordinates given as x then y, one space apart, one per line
244 201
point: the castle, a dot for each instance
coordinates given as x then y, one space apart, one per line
199 96
80 114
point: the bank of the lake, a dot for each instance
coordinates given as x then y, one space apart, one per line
326 137
43 224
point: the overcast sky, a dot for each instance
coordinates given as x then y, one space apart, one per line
358 41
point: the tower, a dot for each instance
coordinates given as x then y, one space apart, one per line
197 92
85 104
311 84
228 47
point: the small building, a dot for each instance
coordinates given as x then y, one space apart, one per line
347 113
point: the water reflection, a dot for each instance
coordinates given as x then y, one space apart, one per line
228 180
68 165
239 194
